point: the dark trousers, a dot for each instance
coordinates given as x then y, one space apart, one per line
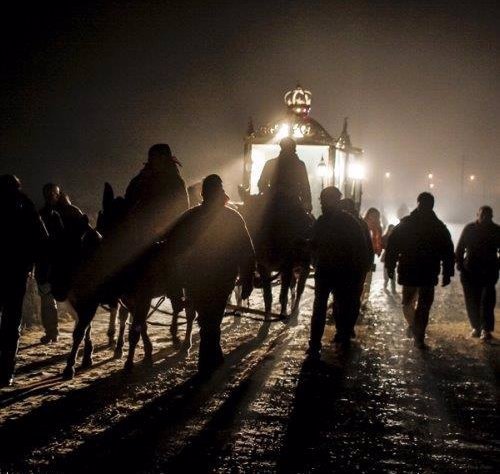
480 301
346 291
12 290
210 311
49 315
417 303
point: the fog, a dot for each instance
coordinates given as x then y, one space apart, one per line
87 89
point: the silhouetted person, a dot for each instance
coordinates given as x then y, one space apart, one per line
372 219
478 260
419 244
21 239
285 177
55 228
157 195
348 205
340 254
385 239
211 246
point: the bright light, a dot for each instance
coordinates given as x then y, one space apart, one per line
387 174
431 185
283 132
430 176
322 168
356 171
472 177
297 132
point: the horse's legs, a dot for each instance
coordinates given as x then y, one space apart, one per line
139 316
88 348
122 317
286 280
78 334
190 317
301 284
148 345
266 288
113 310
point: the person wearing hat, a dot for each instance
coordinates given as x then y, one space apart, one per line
340 254
22 241
157 195
211 246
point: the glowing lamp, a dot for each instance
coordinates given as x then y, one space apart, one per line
472 177
356 171
430 176
284 131
387 174
322 168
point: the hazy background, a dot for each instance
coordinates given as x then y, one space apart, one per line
87 88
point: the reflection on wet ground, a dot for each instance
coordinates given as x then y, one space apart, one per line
384 406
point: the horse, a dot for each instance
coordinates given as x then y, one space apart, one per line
279 232
135 286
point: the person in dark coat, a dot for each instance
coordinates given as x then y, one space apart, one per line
211 246
285 177
478 260
340 256
55 228
419 245
22 239
157 195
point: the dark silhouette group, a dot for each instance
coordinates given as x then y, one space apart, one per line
151 242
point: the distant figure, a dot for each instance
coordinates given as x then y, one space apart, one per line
385 239
55 228
285 177
21 240
372 219
211 246
419 244
157 195
478 260
340 254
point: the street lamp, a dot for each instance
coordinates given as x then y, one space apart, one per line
472 177
387 174
430 176
431 185
322 171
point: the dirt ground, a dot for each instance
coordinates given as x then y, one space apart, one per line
383 407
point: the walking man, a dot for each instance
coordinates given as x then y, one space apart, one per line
21 240
419 244
211 246
53 223
478 260
340 254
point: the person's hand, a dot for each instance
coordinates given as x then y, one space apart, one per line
246 289
446 280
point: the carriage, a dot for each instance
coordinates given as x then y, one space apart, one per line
329 161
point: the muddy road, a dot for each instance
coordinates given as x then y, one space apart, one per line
383 407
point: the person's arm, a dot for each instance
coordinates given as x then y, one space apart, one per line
460 250
247 260
305 188
448 257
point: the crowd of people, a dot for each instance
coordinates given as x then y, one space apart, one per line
213 250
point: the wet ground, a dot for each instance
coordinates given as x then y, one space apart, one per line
383 407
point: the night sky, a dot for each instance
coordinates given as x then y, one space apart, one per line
87 88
